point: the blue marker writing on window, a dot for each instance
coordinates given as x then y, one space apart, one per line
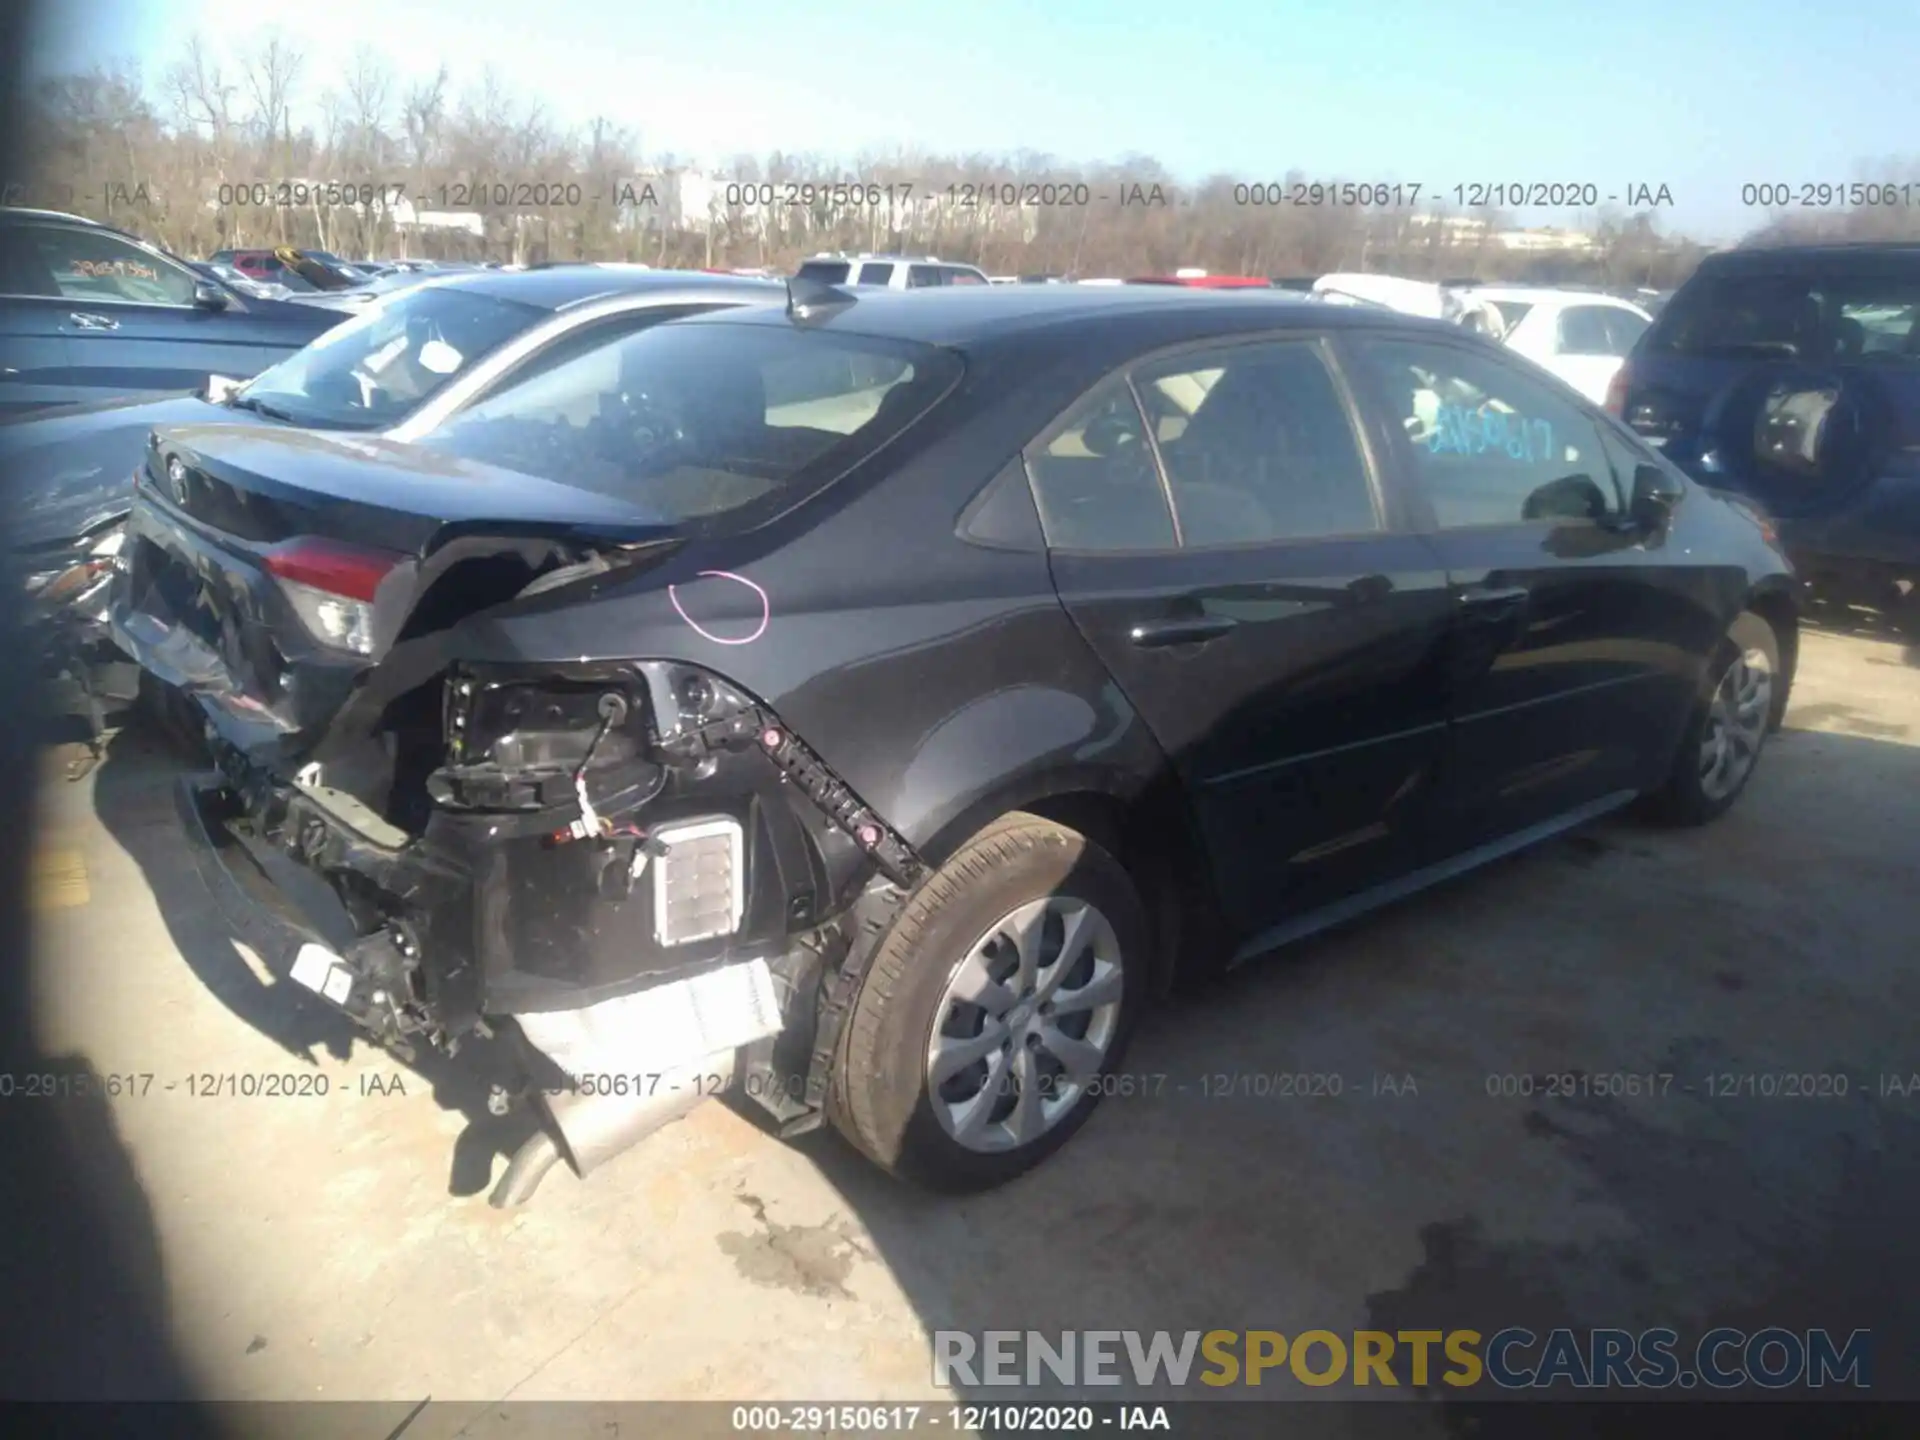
1460 431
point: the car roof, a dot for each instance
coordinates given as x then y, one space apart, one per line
966 317
1866 255
28 213
565 286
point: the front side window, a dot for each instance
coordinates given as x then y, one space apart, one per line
960 275
1489 444
1258 446
377 367
695 420
919 275
93 266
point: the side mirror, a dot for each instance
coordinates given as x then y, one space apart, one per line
1655 493
208 296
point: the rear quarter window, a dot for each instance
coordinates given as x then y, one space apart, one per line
827 272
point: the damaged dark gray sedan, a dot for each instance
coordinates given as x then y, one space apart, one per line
865 703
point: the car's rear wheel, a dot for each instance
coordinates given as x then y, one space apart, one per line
995 1010
1728 729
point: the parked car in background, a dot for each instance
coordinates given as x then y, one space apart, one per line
299 270
1792 375
361 296
893 272
234 280
1581 336
1200 280
886 697
88 312
418 356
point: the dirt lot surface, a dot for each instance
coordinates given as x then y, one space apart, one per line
341 1246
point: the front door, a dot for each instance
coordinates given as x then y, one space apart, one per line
1575 649
1219 536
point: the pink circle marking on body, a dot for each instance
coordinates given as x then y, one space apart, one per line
766 609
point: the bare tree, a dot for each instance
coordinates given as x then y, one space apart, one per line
270 74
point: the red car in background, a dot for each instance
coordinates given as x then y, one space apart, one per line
1204 281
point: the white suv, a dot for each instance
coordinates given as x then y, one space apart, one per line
894 272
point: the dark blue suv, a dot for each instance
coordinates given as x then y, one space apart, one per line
1792 376
88 312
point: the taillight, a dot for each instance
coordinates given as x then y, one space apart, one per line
331 587
1617 393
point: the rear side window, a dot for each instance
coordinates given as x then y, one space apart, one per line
827 272
1806 317
1584 330
1095 480
1258 446
695 421
1625 328
876 274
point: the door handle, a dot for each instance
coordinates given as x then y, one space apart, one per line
1188 630
1495 605
93 322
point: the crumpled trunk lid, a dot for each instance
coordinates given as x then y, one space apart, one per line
237 533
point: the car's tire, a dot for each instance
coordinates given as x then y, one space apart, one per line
954 932
1733 714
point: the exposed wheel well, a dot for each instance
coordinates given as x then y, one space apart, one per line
1155 843
1778 609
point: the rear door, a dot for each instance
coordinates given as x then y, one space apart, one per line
1219 535
1575 647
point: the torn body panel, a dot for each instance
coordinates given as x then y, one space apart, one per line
568 874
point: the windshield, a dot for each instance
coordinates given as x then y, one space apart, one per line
376 368
697 419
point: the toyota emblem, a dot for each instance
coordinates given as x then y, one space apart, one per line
177 478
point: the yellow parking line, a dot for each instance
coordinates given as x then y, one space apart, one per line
59 880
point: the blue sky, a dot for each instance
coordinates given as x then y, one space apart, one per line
1699 97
